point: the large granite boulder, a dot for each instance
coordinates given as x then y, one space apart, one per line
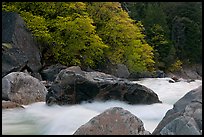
72 86
185 118
23 89
19 51
113 121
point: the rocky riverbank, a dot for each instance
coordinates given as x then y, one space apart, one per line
192 72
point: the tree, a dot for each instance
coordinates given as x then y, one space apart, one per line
173 29
64 29
185 22
86 34
123 35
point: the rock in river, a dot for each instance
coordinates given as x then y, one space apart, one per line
72 86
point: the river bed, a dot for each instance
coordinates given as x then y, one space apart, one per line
40 119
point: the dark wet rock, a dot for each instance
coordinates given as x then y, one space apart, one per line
47 84
19 50
113 121
23 89
171 81
185 118
51 72
72 86
159 74
176 79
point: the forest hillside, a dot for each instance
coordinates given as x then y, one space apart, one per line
144 36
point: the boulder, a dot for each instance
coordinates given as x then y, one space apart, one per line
51 72
72 86
138 75
160 74
171 81
185 118
23 89
122 71
113 121
10 104
117 70
176 79
19 50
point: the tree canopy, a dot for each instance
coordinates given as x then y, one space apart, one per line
141 35
86 33
173 29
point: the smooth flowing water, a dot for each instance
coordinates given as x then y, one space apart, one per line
39 119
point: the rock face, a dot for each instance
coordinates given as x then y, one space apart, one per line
185 118
72 85
113 121
23 89
19 51
188 72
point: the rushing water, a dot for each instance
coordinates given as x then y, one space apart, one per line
39 119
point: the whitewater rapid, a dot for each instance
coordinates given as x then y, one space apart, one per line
40 119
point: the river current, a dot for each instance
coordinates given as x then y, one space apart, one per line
40 119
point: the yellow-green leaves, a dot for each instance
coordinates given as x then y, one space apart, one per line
85 34
38 26
81 43
176 66
122 35
6 45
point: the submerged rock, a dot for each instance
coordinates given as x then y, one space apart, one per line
113 121
72 86
185 118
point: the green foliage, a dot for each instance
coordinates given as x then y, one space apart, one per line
173 29
86 34
161 46
64 28
136 10
38 26
176 66
188 40
123 36
91 33
83 44
185 21
6 46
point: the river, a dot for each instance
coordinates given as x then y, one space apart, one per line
40 119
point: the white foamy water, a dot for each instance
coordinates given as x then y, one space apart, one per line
39 119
